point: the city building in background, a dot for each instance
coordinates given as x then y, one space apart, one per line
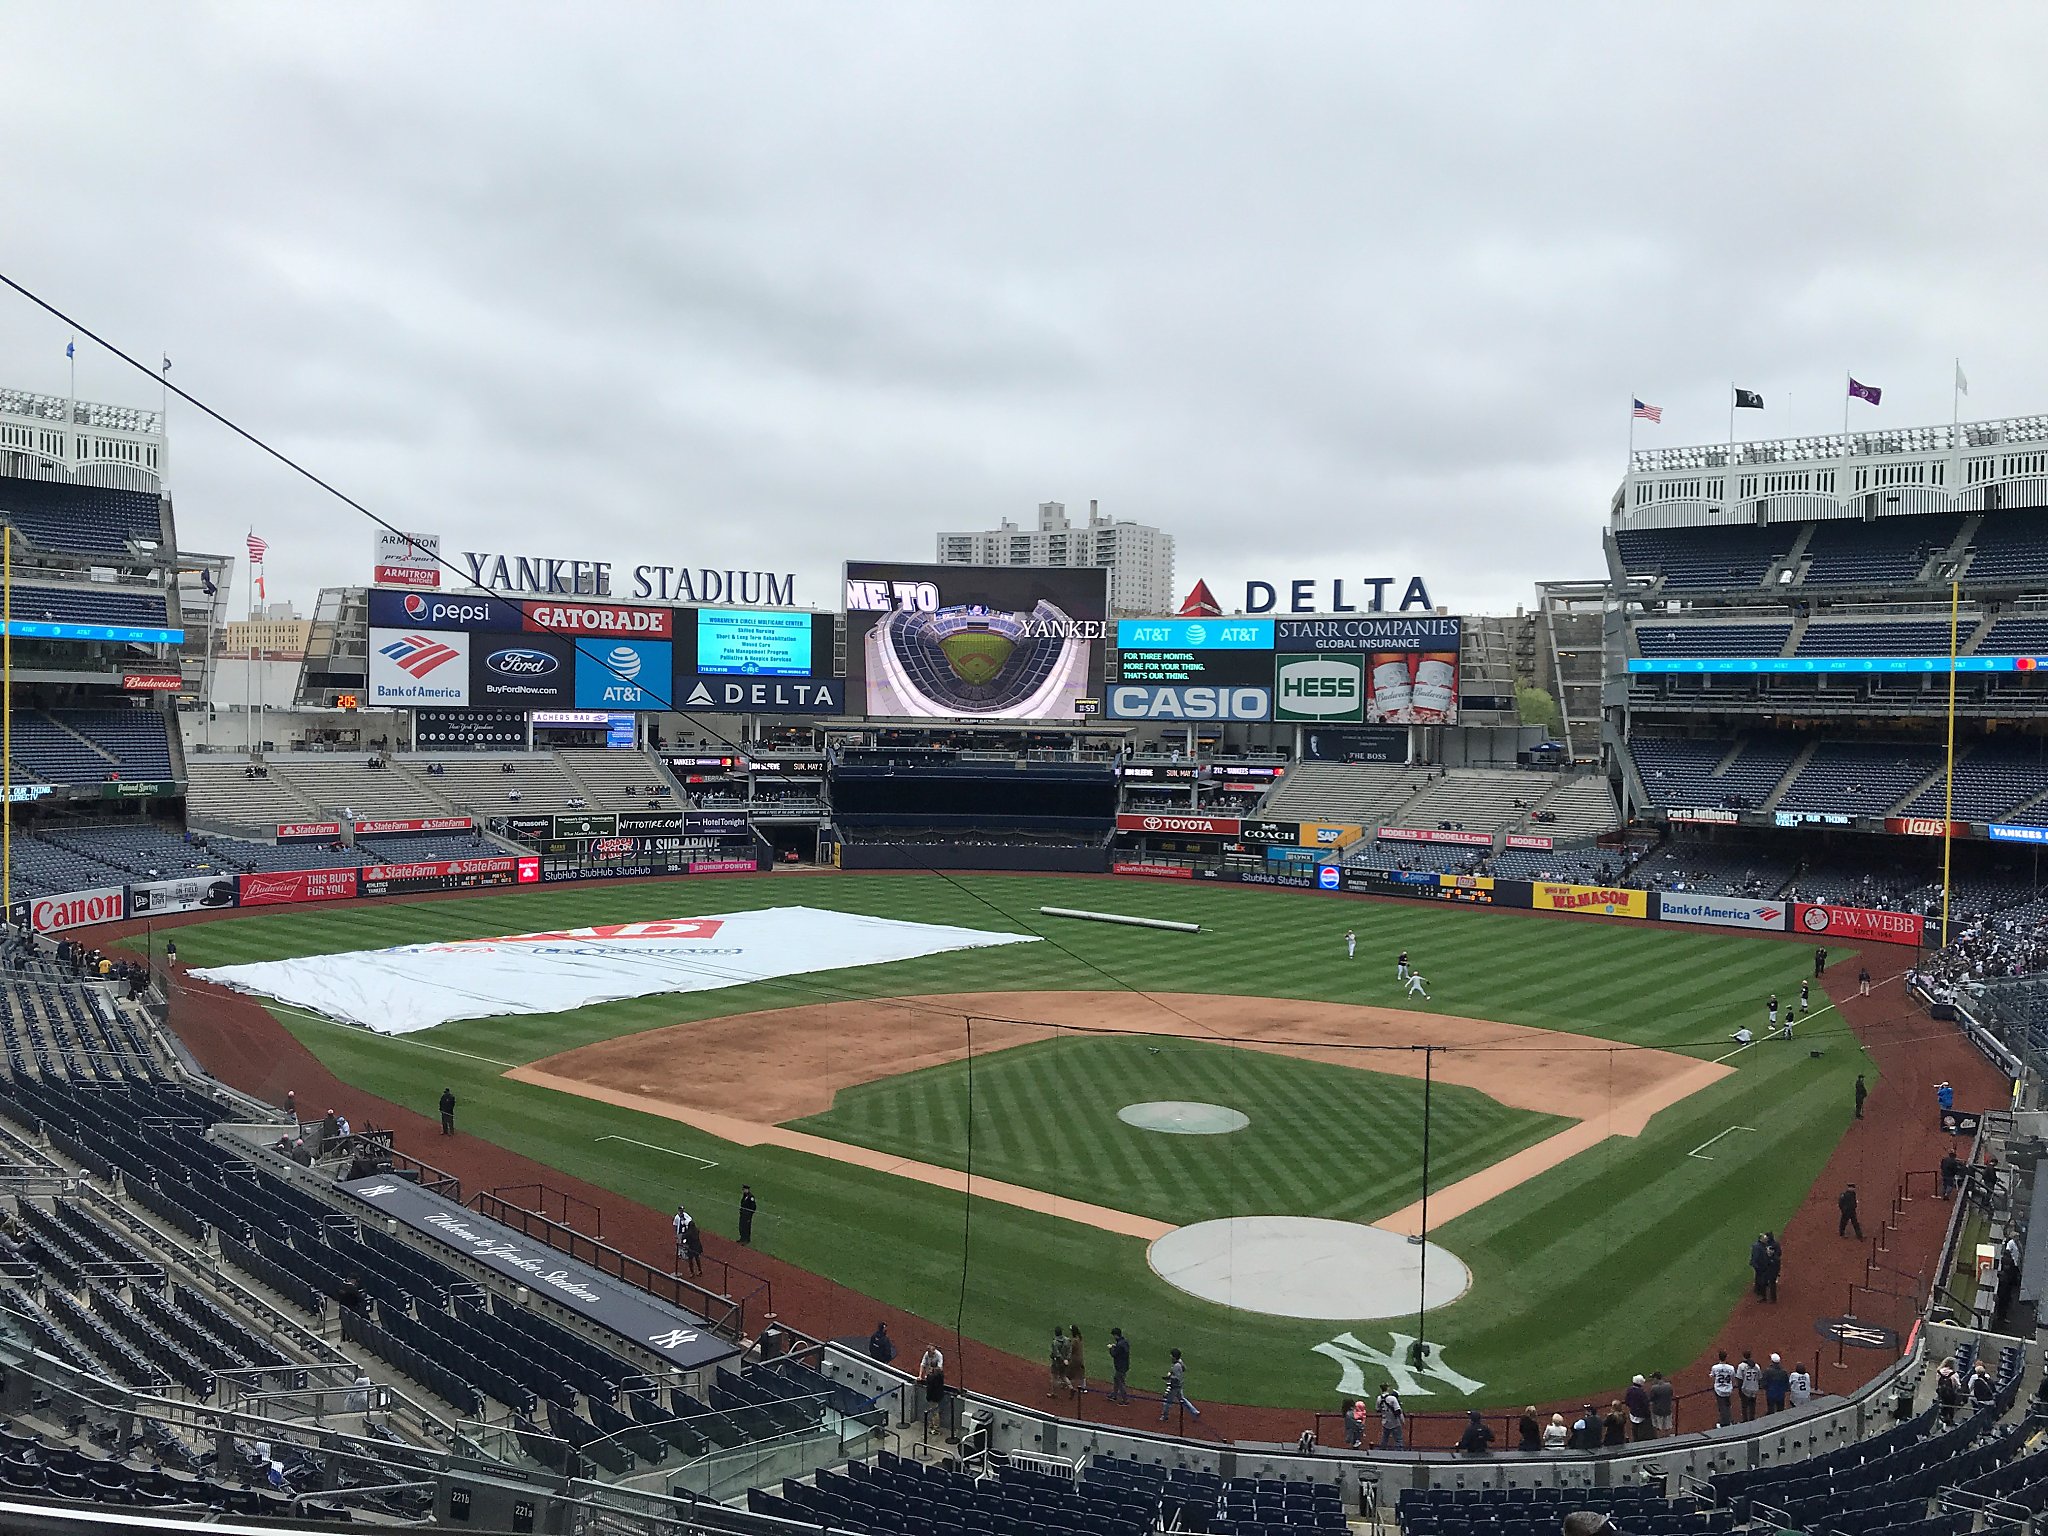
1138 557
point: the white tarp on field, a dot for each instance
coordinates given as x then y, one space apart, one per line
416 986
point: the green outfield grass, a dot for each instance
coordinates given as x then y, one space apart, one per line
1324 1140
1623 1260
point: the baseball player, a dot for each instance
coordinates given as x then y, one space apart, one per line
1742 1036
1773 1009
1804 1001
1417 984
1350 944
1401 966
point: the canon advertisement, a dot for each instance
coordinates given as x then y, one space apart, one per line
78 909
964 642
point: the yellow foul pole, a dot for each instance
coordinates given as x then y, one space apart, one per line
1948 810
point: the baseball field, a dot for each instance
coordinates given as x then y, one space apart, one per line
1600 1151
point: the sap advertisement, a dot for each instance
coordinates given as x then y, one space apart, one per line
964 642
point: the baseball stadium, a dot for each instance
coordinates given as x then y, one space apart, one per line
975 1059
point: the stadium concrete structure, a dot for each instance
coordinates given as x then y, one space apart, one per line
212 1300
1138 557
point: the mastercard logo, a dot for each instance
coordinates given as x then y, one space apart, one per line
2025 663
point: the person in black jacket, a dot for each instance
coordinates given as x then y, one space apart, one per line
748 1205
447 1111
1119 1365
1528 1434
881 1348
1846 1204
1477 1439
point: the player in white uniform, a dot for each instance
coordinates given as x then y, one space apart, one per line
1417 984
1350 944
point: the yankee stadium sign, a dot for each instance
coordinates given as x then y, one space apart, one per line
546 576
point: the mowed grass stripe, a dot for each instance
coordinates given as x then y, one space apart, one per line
1624 1259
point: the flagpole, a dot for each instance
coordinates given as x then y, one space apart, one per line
1631 435
1955 396
1731 421
248 720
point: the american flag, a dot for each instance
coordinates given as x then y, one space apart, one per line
1644 412
256 549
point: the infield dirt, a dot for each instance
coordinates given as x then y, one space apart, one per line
784 1064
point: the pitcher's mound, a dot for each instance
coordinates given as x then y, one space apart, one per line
1307 1266
1183 1117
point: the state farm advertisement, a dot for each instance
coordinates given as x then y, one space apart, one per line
1601 900
280 887
417 986
78 909
418 824
1199 826
1858 923
192 894
1436 835
1722 911
307 831
437 875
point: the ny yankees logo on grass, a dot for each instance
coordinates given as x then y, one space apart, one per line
1395 1366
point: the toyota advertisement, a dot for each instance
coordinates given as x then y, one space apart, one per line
965 642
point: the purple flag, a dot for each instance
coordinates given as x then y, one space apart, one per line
1869 392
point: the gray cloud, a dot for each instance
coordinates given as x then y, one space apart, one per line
1325 290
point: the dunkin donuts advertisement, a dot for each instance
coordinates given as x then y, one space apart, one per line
1369 671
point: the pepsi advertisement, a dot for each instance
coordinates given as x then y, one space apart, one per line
440 610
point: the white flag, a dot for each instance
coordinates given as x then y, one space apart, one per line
1962 384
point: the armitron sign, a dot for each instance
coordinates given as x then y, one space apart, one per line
1202 826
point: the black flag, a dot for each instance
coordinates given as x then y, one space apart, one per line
1748 400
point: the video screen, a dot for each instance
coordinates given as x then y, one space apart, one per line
753 642
964 642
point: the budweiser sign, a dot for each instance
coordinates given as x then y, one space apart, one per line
151 682
415 824
292 885
1207 826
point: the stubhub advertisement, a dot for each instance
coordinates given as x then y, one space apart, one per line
615 673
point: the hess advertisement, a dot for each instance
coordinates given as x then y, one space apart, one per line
964 642
1366 671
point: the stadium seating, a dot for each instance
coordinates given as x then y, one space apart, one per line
1578 809
607 776
334 781
1884 552
477 784
1477 800
59 515
2009 549
75 603
219 790
1712 639
1918 637
1684 771
1688 864
2015 637
1859 778
1586 866
1993 781
1704 559
88 746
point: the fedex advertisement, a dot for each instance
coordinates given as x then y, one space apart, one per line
414 667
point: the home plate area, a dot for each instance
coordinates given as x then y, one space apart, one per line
1308 1267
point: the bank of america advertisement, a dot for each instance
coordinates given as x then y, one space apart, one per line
965 642
415 667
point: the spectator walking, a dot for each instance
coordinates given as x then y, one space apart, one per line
1722 1376
1077 1362
1951 1172
1749 1378
447 1111
1663 1405
693 1249
931 1375
1637 1401
1120 1366
1777 1382
1528 1433
1846 1204
1354 1423
1393 1421
291 1104
1983 1390
1775 1253
1760 1264
1477 1439
1556 1437
748 1205
1862 1093
1176 1388
1798 1386
881 1348
1948 1391
1061 1351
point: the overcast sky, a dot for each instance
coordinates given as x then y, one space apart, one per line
1348 291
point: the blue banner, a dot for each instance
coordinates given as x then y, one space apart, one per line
1194 634
36 629
1740 664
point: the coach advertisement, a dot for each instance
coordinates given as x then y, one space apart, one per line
1598 900
437 875
1722 911
965 642
285 886
1858 923
193 894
